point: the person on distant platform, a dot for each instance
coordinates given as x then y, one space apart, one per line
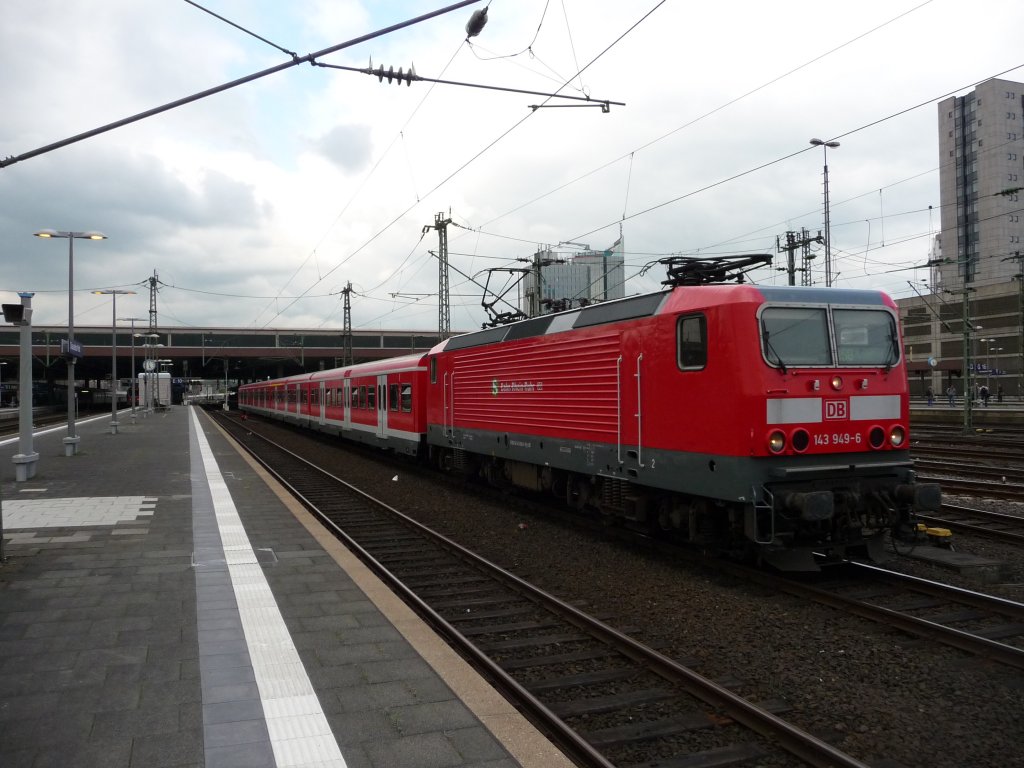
999 393
931 396
951 394
983 393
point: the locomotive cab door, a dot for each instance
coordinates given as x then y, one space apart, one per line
382 406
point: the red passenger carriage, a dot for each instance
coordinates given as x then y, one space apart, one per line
378 403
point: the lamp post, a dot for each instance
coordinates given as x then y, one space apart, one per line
113 293
134 377
826 146
988 360
72 439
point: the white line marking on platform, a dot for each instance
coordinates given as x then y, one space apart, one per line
299 732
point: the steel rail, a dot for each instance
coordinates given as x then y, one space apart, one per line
976 488
965 641
978 528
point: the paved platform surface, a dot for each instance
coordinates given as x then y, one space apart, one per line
161 604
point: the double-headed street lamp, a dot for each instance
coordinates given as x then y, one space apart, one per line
826 146
113 293
72 439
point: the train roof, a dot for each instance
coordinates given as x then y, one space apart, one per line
412 362
671 300
391 365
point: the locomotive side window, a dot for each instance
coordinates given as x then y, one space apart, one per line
795 336
433 370
692 341
865 337
393 397
407 398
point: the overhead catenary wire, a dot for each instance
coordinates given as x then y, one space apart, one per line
770 163
243 29
705 115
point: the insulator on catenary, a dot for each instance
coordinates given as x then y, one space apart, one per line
400 76
476 22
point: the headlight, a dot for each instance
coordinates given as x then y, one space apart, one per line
837 383
896 436
776 442
800 440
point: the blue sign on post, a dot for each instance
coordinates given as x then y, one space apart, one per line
72 349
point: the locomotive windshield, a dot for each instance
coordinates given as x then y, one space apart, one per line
817 336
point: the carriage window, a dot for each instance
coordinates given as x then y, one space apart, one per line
393 397
407 398
795 336
361 397
371 398
692 340
865 337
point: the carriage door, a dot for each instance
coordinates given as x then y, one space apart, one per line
382 406
322 402
346 402
630 420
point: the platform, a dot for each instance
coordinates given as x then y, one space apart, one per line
163 603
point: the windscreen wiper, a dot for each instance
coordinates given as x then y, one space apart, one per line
771 349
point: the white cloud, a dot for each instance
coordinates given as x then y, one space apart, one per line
298 182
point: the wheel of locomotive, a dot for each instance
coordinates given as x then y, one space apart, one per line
577 492
559 485
664 516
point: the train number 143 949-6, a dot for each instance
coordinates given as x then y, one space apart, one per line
838 438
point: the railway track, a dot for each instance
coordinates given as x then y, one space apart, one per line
41 418
981 522
986 453
980 624
988 489
604 697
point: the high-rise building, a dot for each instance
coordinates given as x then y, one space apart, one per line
573 280
965 329
981 175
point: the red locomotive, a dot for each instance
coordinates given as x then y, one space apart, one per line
751 420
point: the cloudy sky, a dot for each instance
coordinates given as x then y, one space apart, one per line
257 205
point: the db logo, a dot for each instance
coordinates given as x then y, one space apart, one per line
836 409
